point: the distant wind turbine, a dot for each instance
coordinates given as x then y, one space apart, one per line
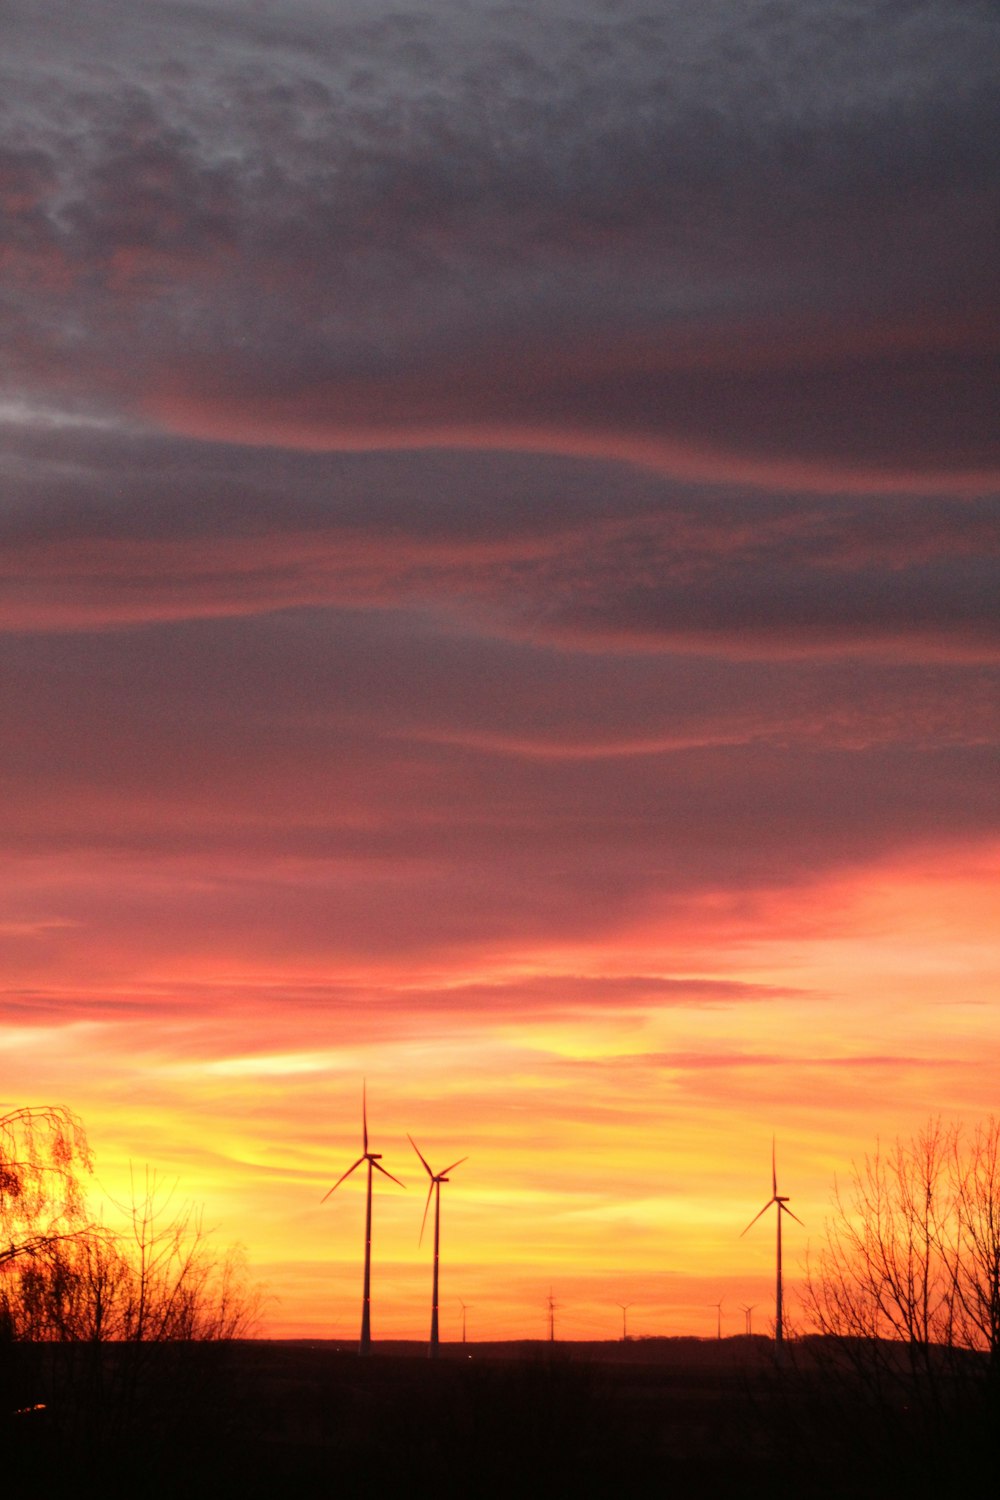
624 1307
718 1312
748 1313
553 1307
434 1190
374 1159
782 1203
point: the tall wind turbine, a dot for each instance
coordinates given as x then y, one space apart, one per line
434 1191
782 1204
374 1160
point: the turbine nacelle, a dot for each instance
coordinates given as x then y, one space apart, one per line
436 1179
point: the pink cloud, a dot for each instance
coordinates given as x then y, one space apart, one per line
776 407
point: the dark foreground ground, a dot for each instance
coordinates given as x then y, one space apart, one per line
677 1416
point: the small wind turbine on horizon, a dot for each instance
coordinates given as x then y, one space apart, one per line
553 1307
782 1204
434 1190
748 1316
374 1160
624 1307
718 1321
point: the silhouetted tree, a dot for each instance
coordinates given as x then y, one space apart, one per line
977 1278
887 1267
118 1335
44 1158
159 1281
906 1292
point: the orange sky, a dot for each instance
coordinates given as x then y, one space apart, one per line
618 1137
498 599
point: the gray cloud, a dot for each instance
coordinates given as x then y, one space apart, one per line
99 530
260 203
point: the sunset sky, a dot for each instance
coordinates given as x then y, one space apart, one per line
498 581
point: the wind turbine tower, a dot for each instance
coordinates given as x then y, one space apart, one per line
434 1191
718 1316
782 1205
553 1307
374 1161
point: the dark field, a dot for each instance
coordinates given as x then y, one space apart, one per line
687 1416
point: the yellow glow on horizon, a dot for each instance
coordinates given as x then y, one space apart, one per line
610 1135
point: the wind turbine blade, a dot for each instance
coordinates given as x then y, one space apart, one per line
423 1221
364 1113
339 1180
453 1166
420 1154
378 1165
774 1170
789 1211
753 1221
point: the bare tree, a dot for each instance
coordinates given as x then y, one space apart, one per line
977 1267
886 1270
912 1252
44 1158
160 1281
905 1291
122 1335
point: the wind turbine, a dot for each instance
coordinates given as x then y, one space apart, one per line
624 1307
374 1160
748 1313
718 1317
434 1190
782 1203
553 1307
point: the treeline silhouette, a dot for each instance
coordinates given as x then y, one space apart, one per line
123 1366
